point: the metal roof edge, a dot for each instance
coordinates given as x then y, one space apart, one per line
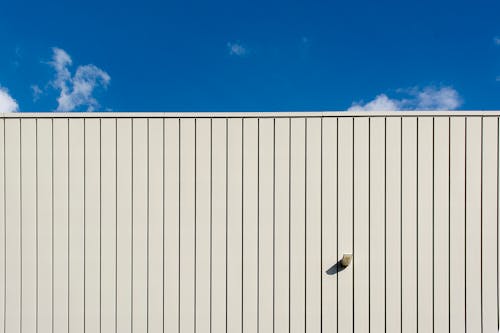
293 114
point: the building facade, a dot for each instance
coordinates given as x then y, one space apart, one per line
233 222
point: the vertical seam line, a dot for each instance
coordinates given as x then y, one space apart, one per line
385 224
305 224
353 218
481 226
36 226
5 233
258 225
21 222
84 226
52 220
417 190
69 224
337 220
497 211
226 231
116 225
321 226
163 226
369 223
401 224
211 222
179 226
274 224
194 222
433 223
242 217
148 208
100 225
289 215
132 227
449 223
465 225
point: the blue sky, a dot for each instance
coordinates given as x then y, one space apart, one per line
249 55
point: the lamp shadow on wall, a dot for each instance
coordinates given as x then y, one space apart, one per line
335 269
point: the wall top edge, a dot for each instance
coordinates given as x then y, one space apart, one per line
324 114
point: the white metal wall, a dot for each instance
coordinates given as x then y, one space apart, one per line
235 224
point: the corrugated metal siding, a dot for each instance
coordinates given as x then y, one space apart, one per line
213 224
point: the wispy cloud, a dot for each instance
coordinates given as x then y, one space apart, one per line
16 62
428 98
36 91
76 90
237 49
7 103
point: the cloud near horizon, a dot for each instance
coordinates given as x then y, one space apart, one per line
76 90
7 103
428 98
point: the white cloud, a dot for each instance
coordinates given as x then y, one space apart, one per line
237 49
7 103
380 103
496 40
428 98
76 91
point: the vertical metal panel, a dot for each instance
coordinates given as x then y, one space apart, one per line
187 215
473 222
377 224
489 224
60 172
76 226
329 218
297 225
393 224
234 225
171 232
12 226
282 225
313 225
108 242
203 228
409 224
250 225
140 223
457 224
124 225
60 222
362 224
345 222
92 231
441 224
45 226
266 225
425 221
219 225
29 227
215 224
155 226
